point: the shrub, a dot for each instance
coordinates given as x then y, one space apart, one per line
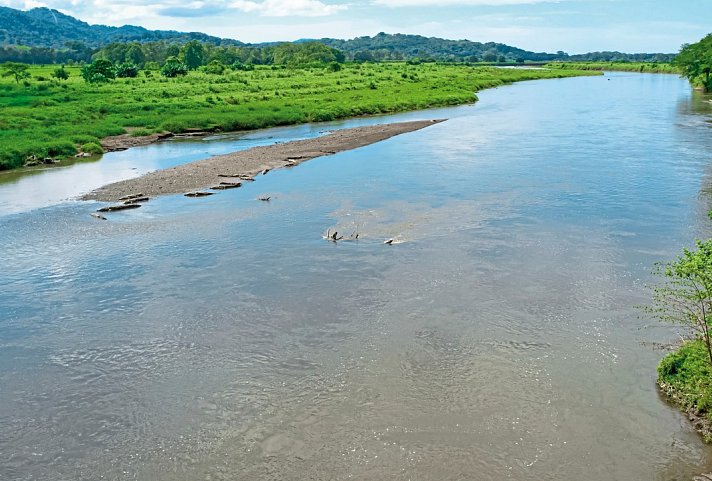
127 70
99 71
60 73
92 148
215 68
174 68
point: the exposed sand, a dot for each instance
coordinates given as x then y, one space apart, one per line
228 168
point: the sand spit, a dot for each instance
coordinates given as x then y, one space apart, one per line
214 171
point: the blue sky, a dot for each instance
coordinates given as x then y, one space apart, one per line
574 26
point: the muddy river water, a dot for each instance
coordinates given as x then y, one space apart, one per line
223 338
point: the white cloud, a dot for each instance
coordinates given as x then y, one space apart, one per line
287 8
117 12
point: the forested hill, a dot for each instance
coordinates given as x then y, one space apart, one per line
42 27
42 35
399 46
404 47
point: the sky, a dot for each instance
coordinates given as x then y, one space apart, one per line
574 26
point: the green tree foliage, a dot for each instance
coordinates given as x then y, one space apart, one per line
193 54
135 55
174 68
16 70
126 70
306 53
60 73
695 62
685 295
99 71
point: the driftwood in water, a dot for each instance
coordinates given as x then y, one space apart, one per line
115 208
226 185
136 200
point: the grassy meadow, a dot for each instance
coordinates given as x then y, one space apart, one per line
49 118
642 67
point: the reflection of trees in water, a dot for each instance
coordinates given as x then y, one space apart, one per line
10 176
695 129
698 103
679 464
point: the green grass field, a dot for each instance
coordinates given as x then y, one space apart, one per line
51 118
617 66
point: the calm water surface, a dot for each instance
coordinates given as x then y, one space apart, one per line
223 338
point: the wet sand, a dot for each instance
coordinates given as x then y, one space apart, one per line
225 171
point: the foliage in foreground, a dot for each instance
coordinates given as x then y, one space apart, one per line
53 118
685 295
652 67
687 376
695 62
685 298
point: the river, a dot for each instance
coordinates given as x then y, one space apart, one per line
223 339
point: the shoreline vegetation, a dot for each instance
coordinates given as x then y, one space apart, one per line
685 379
641 67
683 296
231 170
47 118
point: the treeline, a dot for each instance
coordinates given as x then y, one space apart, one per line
695 62
73 52
155 54
620 57
196 54
642 67
407 47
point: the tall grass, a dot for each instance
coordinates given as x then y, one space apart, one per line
51 118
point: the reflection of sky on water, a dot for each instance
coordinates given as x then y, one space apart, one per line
200 338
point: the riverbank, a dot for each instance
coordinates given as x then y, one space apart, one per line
684 378
230 170
52 119
639 67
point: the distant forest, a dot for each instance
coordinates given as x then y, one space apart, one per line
44 36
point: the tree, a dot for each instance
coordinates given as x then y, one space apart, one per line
685 296
135 55
193 54
695 62
17 70
173 68
99 71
